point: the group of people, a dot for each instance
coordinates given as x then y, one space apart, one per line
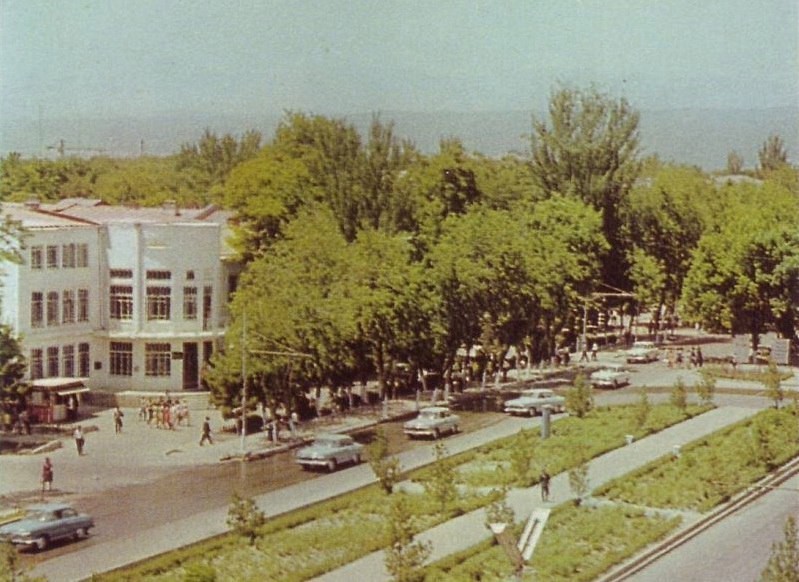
695 358
164 412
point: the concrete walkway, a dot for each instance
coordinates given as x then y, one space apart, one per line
467 530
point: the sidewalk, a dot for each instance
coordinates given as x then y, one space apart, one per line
467 530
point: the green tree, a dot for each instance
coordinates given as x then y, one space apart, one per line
441 483
12 366
10 568
706 387
521 459
772 382
746 265
783 563
679 395
579 397
244 518
735 163
589 149
404 557
579 482
642 409
772 154
385 467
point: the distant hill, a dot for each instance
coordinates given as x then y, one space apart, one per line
691 136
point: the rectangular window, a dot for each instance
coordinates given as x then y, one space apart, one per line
159 275
157 359
68 361
83 255
121 274
68 306
52 361
121 302
52 308
83 305
158 303
190 303
68 256
207 306
37 365
52 256
121 359
190 275
37 309
83 360
37 261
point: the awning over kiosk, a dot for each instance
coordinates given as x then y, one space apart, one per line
60 386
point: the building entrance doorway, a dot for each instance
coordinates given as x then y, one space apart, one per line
191 376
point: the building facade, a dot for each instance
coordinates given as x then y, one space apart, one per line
124 298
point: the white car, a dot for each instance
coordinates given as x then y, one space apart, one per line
643 352
432 421
532 402
330 451
610 377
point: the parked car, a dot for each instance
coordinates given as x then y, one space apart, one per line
642 352
482 400
46 523
532 402
432 421
330 451
610 377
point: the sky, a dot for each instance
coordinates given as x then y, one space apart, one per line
111 58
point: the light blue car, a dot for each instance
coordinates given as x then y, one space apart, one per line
43 524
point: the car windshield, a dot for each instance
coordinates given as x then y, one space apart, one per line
428 414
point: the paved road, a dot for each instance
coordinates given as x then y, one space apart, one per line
736 549
124 550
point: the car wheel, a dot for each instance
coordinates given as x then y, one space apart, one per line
436 434
531 412
41 543
81 533
455 429
615 384
331 465
357 459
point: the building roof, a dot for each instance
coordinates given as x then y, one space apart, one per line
31 216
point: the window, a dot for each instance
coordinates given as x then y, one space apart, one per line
121 359
68 306
190 275
52 361
36 257
68 256
158 303
52 256
83 305
68 361
83 255
159 275
121 273
52 308
190 303
121 302
37 367
207 305
37 309
83 359
157 359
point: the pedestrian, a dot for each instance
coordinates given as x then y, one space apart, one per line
700 359
25 421
78 436
206 432
544 485
294 418
584 354
47 475
118 414
594 350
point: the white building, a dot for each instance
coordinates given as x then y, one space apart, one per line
125 298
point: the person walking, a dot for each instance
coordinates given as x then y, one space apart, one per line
47 475
79 442
206 432
118 414
545 486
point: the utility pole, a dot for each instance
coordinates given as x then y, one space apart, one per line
244 385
